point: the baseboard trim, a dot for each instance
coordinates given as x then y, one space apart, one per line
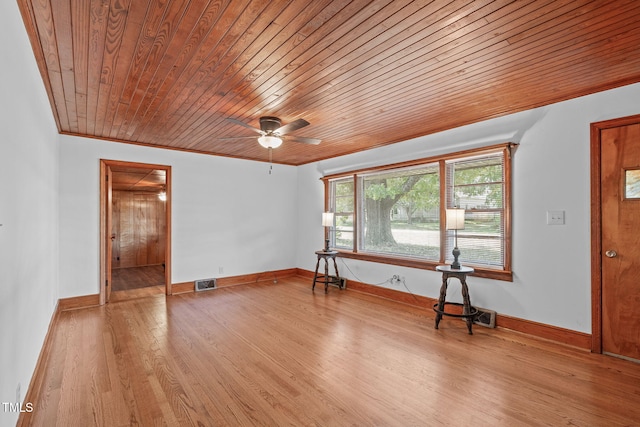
392 294
37 379
256 277
540 330
84 301
74 303
184 287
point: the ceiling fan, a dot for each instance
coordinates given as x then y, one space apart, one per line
272 131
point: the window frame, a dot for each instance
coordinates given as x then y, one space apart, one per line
505 273
337 214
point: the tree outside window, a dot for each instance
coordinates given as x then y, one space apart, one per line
400 212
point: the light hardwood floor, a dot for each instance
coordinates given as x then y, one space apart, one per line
278 354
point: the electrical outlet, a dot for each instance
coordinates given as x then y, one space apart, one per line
220 270
555 217
395 279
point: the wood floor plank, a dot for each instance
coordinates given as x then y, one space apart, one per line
129 278
279 354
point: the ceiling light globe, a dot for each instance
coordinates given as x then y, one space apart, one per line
270 141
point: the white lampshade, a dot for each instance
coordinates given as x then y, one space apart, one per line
270 141
455 219
327 219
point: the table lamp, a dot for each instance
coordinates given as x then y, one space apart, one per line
327 223
455 222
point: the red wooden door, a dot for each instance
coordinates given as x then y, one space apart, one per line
620 198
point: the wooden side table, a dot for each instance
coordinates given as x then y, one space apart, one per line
469 312
326 279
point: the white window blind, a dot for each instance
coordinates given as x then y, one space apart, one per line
476 184
341 203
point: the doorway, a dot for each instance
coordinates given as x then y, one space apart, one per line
615 237
135 221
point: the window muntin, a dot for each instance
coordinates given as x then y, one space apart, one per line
478 181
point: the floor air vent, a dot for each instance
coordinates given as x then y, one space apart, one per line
205 284
485 318
343 281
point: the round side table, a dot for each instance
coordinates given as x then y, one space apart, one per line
326 279
469 312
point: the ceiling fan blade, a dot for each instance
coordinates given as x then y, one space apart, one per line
302 139
238 122
294 125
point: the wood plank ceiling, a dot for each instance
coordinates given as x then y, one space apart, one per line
125 178
363 73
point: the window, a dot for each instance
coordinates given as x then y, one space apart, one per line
476 184
399 212
342 206
392 214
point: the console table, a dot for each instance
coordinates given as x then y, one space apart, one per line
469 312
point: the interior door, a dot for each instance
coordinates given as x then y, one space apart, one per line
620 240
109 227
118 175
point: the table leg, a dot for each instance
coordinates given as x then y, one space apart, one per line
326 275
315 276
466 306
441 300
335 266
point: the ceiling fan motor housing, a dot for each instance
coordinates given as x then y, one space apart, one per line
270 124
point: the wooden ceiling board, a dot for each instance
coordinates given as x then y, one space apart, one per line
127 178
364 73
227 102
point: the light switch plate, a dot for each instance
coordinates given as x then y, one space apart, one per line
555 217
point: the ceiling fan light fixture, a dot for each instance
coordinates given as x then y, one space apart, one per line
270 141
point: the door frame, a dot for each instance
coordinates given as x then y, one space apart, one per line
105 233
596 224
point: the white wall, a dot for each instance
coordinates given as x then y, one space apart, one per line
226 213
551 264
49 210
28 211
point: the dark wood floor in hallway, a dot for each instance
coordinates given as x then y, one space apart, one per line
137 282
124 279
278 354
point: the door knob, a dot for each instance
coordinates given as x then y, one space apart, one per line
611 254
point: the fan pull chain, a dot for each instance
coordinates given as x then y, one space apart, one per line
270 160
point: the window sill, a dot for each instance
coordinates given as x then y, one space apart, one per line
484 272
